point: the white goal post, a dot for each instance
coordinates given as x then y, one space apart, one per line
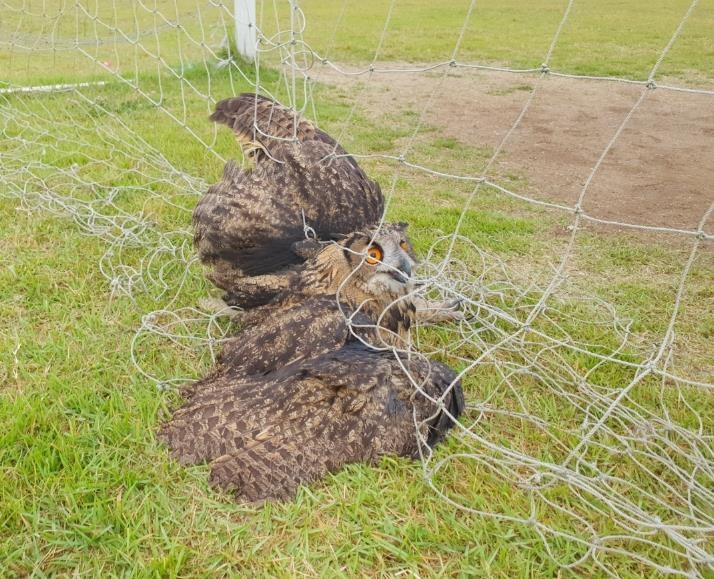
245 35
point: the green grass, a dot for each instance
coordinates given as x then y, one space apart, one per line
600 38
86 490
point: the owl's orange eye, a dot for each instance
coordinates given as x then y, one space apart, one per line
374 254
404 245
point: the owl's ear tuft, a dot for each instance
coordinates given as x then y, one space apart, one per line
403 225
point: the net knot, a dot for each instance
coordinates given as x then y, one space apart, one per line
651 84
544 68
308 231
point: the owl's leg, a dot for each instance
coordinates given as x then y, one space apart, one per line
248 292
437 312
218 307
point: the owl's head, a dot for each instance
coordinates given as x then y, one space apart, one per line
370 272
364 265
380 260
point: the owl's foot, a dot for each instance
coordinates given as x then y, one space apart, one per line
218 307
438 312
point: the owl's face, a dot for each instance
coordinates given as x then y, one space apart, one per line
383 259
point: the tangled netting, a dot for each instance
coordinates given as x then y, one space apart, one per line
601 447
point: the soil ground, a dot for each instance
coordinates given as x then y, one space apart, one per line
660 172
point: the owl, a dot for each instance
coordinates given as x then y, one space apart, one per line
250 228
320 377
358 287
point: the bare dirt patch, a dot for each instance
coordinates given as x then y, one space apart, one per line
660 171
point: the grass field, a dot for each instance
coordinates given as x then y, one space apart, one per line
86 490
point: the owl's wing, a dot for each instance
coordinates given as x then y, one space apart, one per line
247 222
281 334
266 435
276 336
259 121
252 219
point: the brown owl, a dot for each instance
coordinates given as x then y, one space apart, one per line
250 227
313 382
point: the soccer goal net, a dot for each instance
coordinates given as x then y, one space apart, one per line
555 164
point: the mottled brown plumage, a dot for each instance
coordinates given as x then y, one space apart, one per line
342 281
309 318
300 392
265 435
250 226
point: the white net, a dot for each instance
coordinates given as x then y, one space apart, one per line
584 429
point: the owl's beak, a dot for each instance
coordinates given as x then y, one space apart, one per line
402 273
